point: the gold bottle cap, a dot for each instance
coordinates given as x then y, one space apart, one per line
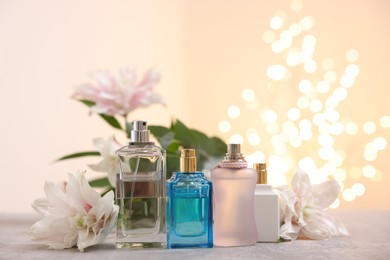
187 160
261 169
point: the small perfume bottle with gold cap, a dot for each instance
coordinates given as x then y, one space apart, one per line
189 206
266 206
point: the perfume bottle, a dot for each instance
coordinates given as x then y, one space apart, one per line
141 192
234 187
266 205
189 206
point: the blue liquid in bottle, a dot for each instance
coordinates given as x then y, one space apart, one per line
189 206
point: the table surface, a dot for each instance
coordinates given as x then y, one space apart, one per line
370 239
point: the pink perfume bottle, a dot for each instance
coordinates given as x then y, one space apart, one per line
234 186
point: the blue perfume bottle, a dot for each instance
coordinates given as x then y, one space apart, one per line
189 206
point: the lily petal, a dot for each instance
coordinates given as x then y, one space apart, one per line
321 225
41 206
300 179
289 231
301 185
106 215
80 192
109 162
56 197
56 230
120 95
325 194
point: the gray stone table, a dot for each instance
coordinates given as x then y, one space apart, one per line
370 239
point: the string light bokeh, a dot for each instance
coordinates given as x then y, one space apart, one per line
297 122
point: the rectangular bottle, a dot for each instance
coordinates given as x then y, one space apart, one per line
266 205
189 206
141 192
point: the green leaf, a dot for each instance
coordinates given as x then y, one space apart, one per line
202 142
102 182
163 135
220 147
80 154
174 146
111 121
173 163
183 134
208 149
129 127
86 102
159 131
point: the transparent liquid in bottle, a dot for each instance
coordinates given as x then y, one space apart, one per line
141 198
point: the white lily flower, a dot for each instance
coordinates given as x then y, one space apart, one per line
74 215
109 162
303 209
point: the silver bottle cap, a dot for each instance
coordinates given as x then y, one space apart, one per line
140 132
234 153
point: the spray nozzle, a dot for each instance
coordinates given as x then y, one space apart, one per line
234 153
140 132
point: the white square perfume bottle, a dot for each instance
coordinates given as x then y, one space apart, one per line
266 207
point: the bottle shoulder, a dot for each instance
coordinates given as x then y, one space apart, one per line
185 178
264 189
229 173
140 148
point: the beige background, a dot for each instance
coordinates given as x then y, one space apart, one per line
207 51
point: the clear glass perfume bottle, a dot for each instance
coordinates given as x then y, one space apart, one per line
234 187
141 192
189 206
266 205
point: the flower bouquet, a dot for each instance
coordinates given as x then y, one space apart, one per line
113 99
